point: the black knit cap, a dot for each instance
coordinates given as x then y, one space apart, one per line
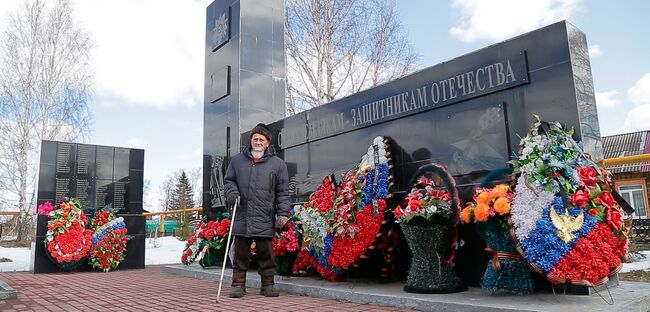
262 129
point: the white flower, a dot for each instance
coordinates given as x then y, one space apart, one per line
527 208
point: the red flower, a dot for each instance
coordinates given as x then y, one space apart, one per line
398 212
606 199
614 218
588 175
580 198
414 204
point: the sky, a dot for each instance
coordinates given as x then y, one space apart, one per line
148 62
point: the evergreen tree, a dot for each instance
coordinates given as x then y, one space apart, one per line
182 198
182 195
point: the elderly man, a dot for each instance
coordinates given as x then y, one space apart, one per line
261 181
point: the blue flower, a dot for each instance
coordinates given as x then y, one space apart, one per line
543 247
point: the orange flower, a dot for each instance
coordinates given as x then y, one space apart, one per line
466 215
65 206
483 197
499 191
502 206
481 212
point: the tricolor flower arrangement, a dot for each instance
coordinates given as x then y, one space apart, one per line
207 237
67 241
108 240
337 236
489 204
566 222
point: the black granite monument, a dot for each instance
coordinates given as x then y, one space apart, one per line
98 176
244 81
467 113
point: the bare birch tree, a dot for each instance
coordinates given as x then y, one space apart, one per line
166 191
45 81
339 47
195 176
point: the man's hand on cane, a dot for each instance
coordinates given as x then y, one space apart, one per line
230 201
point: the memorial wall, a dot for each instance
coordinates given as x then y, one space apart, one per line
98 176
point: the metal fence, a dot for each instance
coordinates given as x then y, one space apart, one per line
640 232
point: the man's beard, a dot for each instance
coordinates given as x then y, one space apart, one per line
257 154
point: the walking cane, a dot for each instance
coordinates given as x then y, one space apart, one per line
223 267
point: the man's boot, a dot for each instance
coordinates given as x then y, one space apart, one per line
238 289
268 290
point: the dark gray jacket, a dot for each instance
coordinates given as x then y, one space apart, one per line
263 188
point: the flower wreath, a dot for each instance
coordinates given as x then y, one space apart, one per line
339 237
67 240
108 240
564 218
207 236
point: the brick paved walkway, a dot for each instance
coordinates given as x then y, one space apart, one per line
148 290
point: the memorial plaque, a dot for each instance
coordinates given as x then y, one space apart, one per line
86 161
65 159
103 193
104 162
63 188
121 164
85 192
119 195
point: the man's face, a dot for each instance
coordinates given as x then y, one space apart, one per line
259 142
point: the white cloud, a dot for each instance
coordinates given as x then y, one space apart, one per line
595 51
135 143
639 94
606 99
197 153
638 119
147 52
497 20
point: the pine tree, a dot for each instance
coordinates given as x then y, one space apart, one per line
182 195
182 199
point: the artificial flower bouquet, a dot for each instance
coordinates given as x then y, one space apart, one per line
109 239
489 204
207 242
425 201
67 241
286 245
489 210
566 222
429 222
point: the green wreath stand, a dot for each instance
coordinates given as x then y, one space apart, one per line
430 242
429 245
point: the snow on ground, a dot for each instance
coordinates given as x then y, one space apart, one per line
168 250
163 250
640 264
19 256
